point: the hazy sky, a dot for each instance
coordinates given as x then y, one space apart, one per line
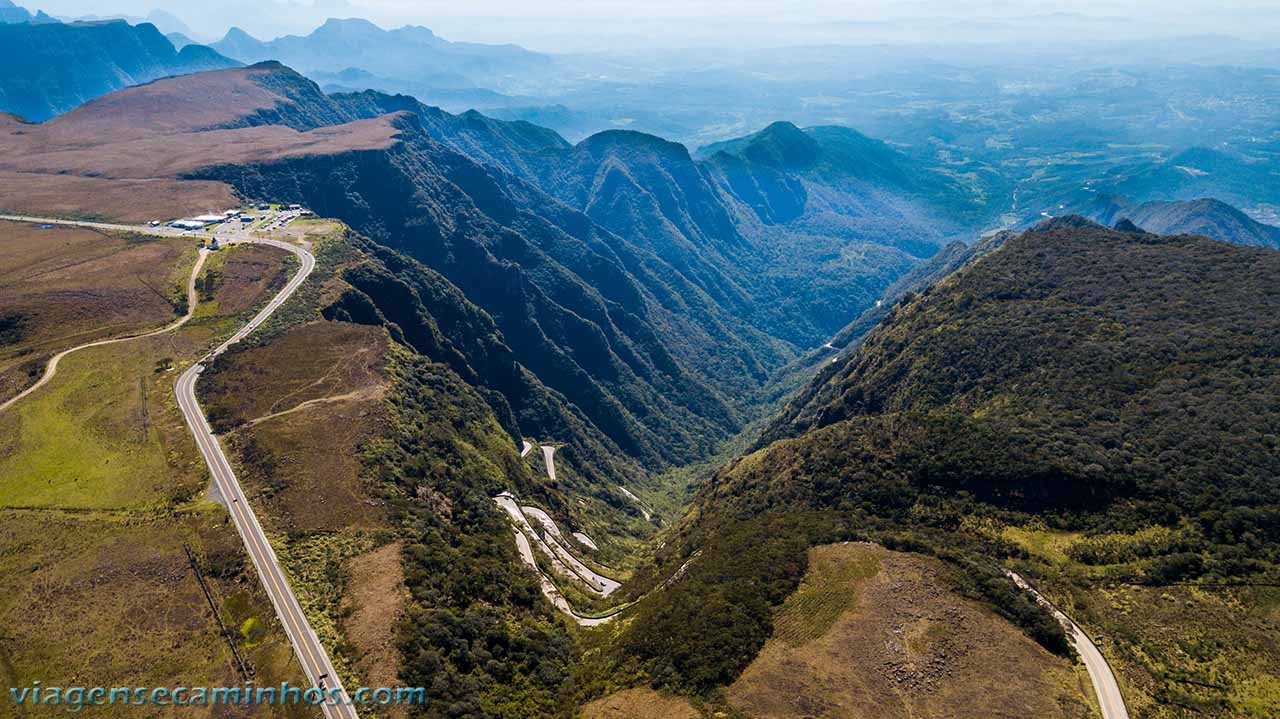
552 25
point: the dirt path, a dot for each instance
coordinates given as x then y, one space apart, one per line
359 394
51 368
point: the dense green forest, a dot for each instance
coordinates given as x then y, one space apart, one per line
1118 387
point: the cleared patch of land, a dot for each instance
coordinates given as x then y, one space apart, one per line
877 633
65 286
639 703
373 606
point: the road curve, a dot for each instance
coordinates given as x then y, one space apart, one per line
525 538
311 653
51 368
1104 680
548 454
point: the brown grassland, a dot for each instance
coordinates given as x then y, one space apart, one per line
122 156
872 632
639 703
372 608
100 486
129 201
294 411
65 286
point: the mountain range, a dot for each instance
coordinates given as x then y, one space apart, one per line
54 67
1204 216
630 319
14 14
814 312
412 55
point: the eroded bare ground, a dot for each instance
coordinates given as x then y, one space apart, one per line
373 606
639 703
874 633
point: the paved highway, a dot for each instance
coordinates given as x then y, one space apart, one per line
548 454
594 581
1104 681
311 653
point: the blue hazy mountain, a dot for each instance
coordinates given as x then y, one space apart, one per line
51 68
409 53
14 14
1204 216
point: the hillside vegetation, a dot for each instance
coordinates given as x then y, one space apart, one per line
1108 388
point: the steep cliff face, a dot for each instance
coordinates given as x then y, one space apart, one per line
649 360
51 68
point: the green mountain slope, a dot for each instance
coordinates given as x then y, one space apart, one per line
621 341
1073 358
1110 394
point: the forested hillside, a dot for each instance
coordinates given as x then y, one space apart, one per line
623 275
1110 391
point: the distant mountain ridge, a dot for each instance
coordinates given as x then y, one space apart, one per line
1205 216
50 68
15 14
838 155
165 22
410 53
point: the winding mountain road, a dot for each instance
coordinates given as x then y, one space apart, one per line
526 538
306 644
548 454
